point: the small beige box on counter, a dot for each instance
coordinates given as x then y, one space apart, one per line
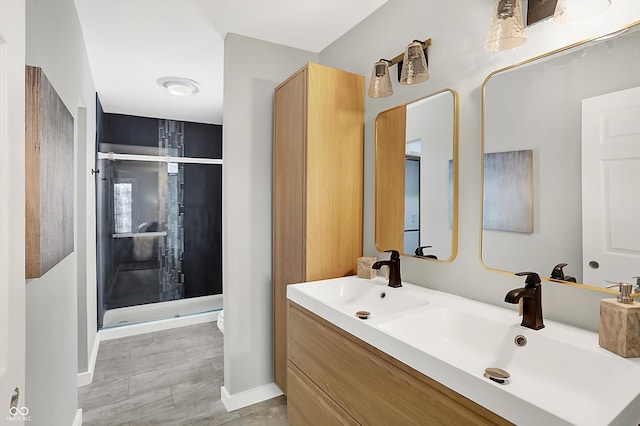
364 267
619 329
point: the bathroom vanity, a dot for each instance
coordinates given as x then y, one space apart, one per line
420 356
334 377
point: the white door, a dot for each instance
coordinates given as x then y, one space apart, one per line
611 187
12 199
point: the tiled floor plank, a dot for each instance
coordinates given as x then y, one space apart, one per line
170 377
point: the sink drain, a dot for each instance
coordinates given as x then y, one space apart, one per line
498 375
520 340
363 315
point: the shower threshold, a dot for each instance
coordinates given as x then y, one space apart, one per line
161 310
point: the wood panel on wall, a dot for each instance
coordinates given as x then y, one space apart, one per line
49 175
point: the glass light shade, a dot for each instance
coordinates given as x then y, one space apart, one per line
507 28
380 84
414 64
576 10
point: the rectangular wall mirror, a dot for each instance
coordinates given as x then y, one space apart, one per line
417 177
576 193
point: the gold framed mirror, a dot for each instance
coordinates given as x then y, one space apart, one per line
416 177
561 164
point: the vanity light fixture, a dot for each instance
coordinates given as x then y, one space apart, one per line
507 29
412 69
576 10
414 64
179 86
380 84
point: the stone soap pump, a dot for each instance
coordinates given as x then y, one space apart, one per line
619 328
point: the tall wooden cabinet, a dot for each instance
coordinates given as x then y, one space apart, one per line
317 186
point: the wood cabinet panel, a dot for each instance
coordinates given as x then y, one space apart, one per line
311 406
289 159
335 172
370 385
318 185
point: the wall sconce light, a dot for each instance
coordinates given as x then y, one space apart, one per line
412 69
380 84
572 10
507 28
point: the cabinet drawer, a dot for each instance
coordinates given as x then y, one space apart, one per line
370 385
309 405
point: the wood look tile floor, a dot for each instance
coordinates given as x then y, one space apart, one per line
170 377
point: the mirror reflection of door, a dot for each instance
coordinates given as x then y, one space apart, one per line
610 191
412 201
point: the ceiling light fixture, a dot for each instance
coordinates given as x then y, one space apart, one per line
571 10
412 69
179 86
507 28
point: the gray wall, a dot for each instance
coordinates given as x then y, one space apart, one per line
54 42
253 68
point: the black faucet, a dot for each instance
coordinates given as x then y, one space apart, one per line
558 273
532 303
394 268
420 253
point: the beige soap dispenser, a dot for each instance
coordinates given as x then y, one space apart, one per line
619 329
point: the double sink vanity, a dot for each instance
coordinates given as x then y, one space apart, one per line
390 367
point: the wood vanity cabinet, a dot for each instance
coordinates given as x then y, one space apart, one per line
317 186
336 378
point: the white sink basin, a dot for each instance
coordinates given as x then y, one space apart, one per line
560 377
555 371
349 295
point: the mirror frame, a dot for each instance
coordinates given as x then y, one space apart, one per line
382 180
483 129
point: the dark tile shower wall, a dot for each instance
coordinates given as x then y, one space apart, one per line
190 256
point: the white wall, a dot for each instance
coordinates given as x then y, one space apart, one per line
54 42
253 68
432 121
458 61
12 204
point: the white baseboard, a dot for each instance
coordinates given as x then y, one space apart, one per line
248 397
159 325
86 377
77 420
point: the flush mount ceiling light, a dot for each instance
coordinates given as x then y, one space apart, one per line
412 69
179 86
507 26
576 10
